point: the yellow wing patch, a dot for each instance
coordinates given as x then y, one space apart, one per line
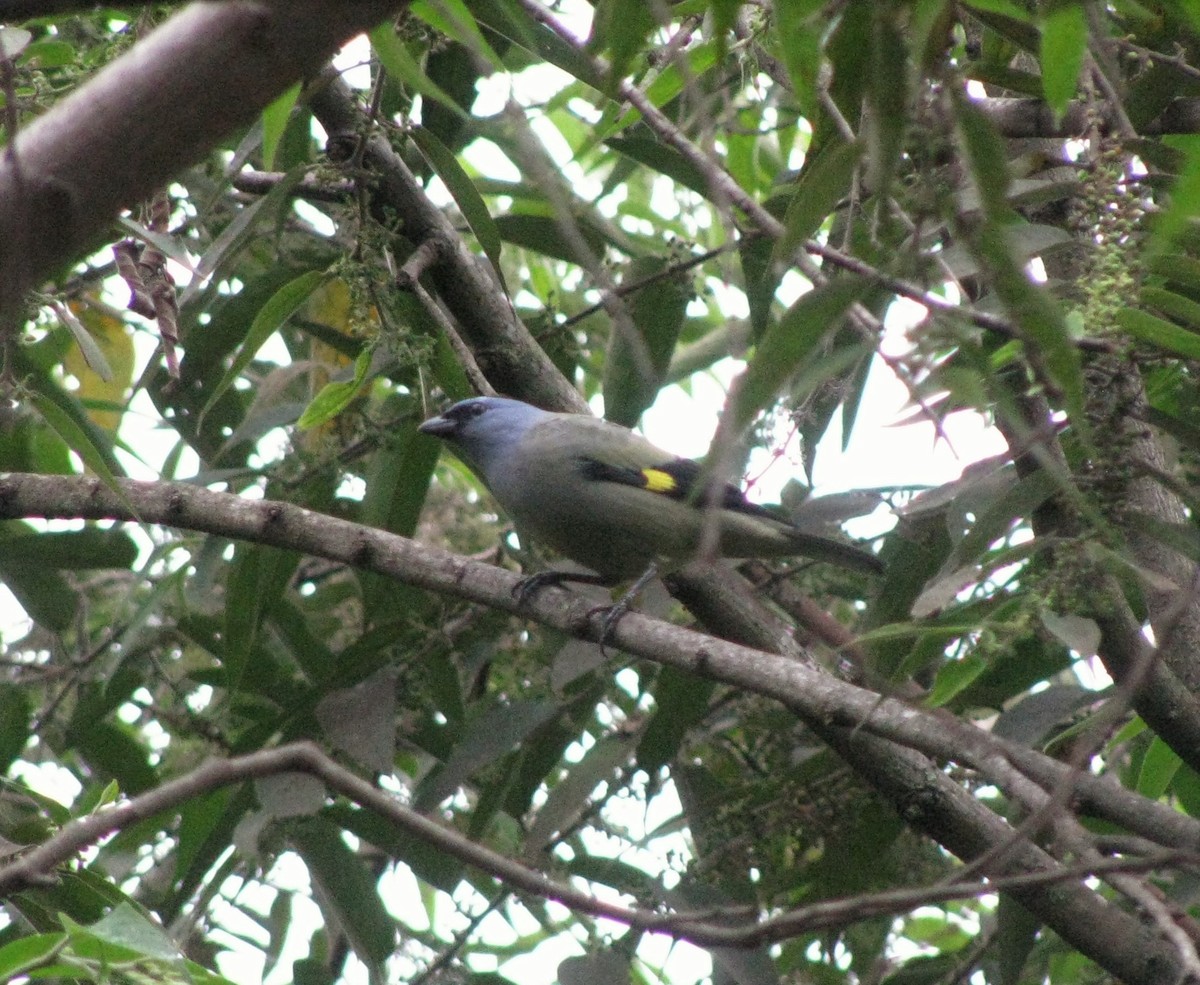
658 481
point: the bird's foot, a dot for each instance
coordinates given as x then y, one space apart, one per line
529 586
615 612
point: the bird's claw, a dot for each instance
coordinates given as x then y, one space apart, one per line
612 615
613 612
529 586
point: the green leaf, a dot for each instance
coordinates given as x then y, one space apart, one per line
681 700
887 92
1174 305
203 821
1016 934
662 158
360 720
429 864
486 739
24 955
89 348
1184 200
335 397
454 20
799 27
954 677
16 717
620 29
78 440
347 890
1159 332
987 155
623 876
1130 730
464 193
1186 786
511 21
1064 43
789 342
1077 632
47 598
275 121
109 747
1039 716
1027 241
397 483
238 234
198 975
571 796
1186 9
1037 313
401 65
72 550
994 517
636 368
126 927
760 277
542 234
257 579
48 53
1006 8
824 181
609 967
1177 268
282 304
1159 766
669 83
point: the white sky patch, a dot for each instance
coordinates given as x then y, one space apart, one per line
49 780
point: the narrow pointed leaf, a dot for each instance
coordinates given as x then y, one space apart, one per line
789 342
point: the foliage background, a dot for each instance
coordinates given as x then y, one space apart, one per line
250 671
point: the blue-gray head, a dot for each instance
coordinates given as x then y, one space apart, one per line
484 430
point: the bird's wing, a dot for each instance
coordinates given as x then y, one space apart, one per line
621 501
677 478
631 460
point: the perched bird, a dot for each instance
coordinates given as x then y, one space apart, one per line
603 496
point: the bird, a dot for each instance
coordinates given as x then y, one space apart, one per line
609 499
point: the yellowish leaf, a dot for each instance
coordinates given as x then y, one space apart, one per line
112 337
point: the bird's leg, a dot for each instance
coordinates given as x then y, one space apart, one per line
531 585
614 612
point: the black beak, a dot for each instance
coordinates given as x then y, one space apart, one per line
439 427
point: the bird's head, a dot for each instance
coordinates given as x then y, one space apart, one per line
484 430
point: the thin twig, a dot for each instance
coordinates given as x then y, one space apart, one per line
408 278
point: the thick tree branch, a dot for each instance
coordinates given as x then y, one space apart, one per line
1090 923
1158 692
160 107
1032 118
19 10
